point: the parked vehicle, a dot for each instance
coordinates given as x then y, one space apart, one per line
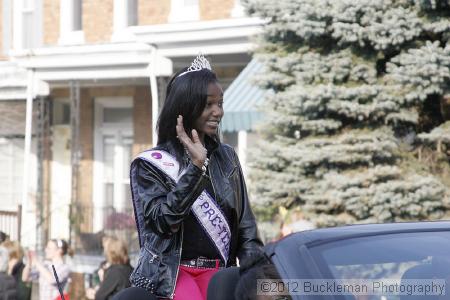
403 259
383 253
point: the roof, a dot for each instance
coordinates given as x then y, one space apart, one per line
212 37
242 99
107 61
14 82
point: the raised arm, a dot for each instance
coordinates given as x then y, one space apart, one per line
166 206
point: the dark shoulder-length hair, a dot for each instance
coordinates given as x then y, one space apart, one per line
186 95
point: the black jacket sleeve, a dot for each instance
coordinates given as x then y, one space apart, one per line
166 204
108 286
249 241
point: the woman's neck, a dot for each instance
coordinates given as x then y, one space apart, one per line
201 136
57 259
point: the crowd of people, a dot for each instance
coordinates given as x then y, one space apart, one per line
19 270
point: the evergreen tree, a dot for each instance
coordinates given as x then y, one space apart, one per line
356 129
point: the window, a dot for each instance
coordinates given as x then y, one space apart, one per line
116 168
77 15
112 115
6 23
23 24
61 112
132 16
27 29
125 15
113 154
184 10
71 22
383 256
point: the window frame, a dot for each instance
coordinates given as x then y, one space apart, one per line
181 12
69 34
102 130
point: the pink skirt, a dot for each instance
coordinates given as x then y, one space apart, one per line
192 283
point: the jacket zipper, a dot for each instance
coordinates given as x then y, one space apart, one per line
154 256
212 184
179 262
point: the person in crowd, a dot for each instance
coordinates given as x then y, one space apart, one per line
114 275
294 221
3 252
104 264
55 253
191 205
15 269
7 284
8 290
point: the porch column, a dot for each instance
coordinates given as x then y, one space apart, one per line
43 174
74 155
154 94
28 237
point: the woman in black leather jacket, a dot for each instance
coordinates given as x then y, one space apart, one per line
190 200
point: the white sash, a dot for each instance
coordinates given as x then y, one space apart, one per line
205 208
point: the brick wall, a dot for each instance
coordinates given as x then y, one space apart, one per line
113 91
142 120
60 93
153 11
13 117
98 16
51 21
215 9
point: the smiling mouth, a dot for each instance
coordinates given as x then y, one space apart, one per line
213 123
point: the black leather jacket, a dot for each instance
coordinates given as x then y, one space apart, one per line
161 206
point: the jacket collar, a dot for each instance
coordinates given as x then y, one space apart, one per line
211 144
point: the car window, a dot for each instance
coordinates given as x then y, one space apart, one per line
393 256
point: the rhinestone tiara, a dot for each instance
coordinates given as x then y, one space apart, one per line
199 63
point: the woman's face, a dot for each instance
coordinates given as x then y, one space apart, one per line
52 250
209 120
